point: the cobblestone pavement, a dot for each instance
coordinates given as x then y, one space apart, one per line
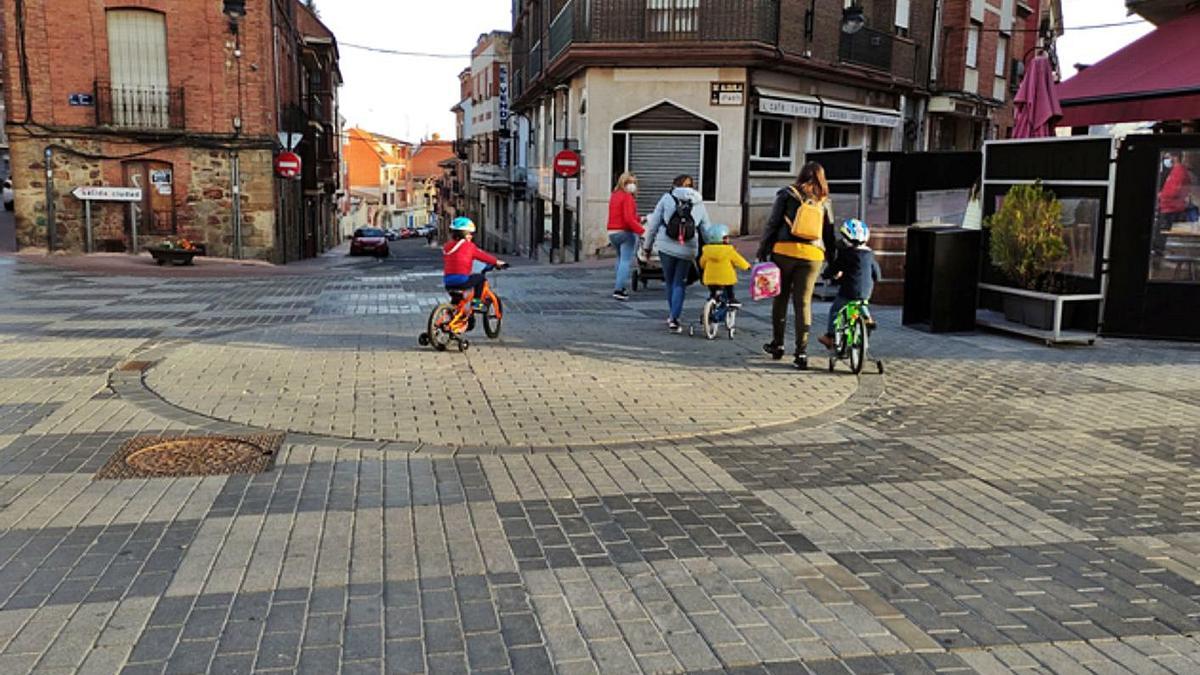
590 494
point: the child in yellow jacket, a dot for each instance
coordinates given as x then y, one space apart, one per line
719 260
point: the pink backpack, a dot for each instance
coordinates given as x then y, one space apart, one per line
764 281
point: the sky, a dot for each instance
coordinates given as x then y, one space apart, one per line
1090 46
400 96
410 97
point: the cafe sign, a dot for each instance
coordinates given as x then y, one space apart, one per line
728 93
789 108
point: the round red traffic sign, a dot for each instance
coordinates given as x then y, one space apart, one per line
567 164
287 165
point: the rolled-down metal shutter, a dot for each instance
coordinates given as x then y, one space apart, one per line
657 159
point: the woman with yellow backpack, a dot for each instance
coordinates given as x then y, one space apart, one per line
798 234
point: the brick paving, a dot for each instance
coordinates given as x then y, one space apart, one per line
587 494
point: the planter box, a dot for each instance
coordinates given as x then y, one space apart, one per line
175 256
1046 316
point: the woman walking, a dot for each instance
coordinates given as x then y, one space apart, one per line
677 240
624 228
799 257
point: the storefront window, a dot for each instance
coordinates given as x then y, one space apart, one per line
832 136
1081 227
1175 244
771 145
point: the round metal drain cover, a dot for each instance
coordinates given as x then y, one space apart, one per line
190 456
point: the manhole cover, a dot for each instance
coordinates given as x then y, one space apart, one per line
156 457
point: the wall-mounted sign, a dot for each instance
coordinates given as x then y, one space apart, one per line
161 180
96 193
728 93
849 116
789 108
502 85
82 100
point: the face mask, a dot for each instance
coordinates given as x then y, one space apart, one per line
1168 162
631 187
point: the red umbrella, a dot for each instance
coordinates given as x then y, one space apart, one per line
1037 104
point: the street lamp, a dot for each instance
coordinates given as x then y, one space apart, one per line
852 19
235 10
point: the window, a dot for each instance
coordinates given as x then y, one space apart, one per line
1001 56
832 136
672 16
1175 240
138 87
973 47
903 12
770 144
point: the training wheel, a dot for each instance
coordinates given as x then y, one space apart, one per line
423 339
464 345
879 366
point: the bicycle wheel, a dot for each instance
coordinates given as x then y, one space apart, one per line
493 316
439 331
710 320
858 345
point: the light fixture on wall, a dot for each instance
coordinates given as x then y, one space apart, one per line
235 10
853 19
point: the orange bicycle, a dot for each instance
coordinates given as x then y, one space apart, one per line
450 321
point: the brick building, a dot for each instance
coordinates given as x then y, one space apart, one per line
183 98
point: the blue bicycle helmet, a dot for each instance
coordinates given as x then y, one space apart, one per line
462 224
715 234
854 232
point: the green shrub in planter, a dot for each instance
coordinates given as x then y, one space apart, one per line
1027 236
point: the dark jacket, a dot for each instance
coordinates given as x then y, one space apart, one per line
859 271
777 228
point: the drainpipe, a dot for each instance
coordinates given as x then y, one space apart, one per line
51 226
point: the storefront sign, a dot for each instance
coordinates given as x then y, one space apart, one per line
728 93
848 116
786 108
108 194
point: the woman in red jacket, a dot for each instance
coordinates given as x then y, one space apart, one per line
624 228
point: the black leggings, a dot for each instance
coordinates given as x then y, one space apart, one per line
797 278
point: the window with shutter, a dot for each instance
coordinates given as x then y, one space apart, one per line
137 65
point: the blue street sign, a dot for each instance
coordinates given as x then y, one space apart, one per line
82 100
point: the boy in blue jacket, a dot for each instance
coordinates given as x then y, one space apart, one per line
855 270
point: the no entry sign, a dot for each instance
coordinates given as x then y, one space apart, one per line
287 165
567 164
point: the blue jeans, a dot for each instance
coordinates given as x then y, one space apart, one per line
675 274
626 243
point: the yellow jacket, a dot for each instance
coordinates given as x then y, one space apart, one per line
718 261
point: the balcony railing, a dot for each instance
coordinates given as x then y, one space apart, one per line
139 107
868 47
670 21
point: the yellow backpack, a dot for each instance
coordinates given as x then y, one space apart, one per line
809 221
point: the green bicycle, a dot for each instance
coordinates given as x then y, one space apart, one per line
850 337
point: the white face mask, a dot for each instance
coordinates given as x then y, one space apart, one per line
631 187
1168 162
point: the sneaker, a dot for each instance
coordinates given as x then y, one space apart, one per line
800 362
826 341
775 351
674 326
621 294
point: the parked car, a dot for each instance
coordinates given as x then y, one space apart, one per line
408 233
8 194
392 234
426 230
369 241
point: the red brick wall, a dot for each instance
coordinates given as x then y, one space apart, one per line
67 47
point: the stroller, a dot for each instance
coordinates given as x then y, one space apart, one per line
645 271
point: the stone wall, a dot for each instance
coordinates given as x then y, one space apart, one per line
202 195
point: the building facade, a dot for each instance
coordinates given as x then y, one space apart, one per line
489 145
107 94
736 93
378 176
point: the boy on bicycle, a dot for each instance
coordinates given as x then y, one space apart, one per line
459 255
718 260
855 270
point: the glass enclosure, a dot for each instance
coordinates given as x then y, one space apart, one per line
1175 240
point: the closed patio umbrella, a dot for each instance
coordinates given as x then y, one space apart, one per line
1038 109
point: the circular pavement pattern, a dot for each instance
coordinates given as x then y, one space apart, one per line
541 385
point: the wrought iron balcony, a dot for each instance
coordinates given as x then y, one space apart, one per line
149 108
868 47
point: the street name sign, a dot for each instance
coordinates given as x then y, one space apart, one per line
108 194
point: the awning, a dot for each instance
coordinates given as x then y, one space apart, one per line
1155 78
776 102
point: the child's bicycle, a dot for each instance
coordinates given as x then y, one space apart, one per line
450 321
851 337
717 312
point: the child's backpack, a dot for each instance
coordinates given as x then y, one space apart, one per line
682 226
764 281
809 221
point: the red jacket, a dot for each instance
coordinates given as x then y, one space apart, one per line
1173 196
460 254
622 214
